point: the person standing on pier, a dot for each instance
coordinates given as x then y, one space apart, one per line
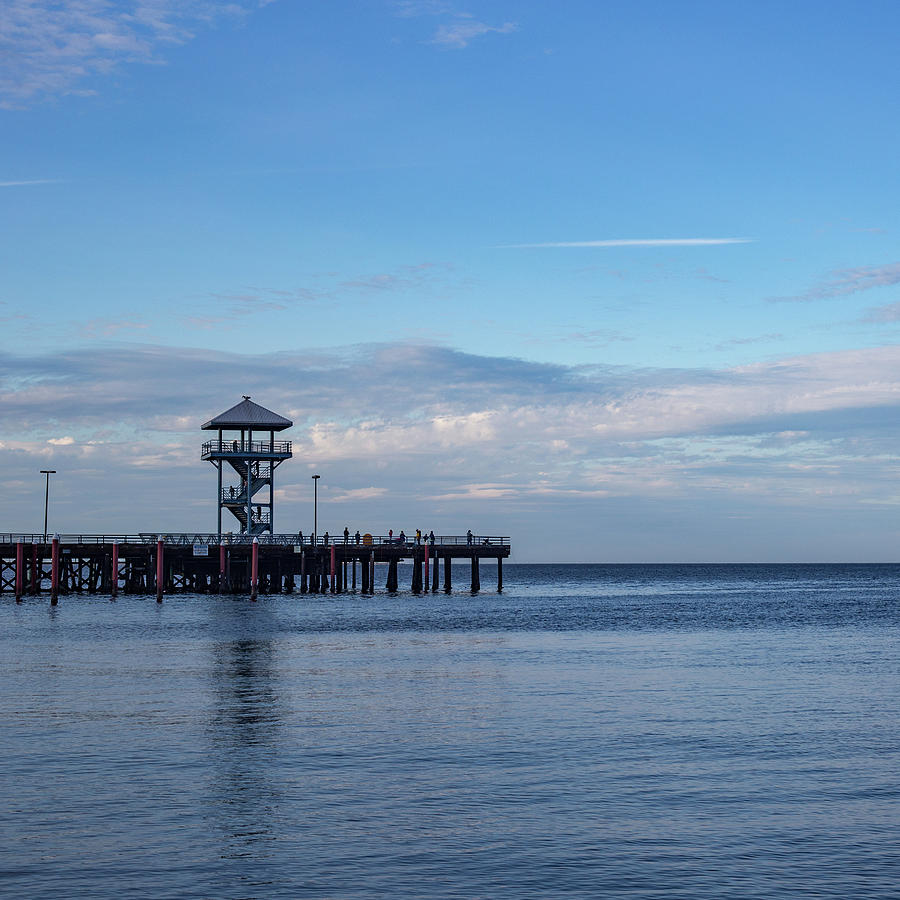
346 535
357 536
325 538
469 537
418 536
431 538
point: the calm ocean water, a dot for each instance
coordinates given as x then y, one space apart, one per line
594 731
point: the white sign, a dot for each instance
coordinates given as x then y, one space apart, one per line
201 549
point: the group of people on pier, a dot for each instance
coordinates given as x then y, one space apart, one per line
400 540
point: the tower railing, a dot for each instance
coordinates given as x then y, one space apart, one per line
243 448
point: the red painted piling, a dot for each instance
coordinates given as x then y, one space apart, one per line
54 571
254 570
114 583
160 580
20 570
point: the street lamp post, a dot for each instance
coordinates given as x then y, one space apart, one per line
315 479
48 473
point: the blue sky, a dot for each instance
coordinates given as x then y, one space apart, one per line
617 279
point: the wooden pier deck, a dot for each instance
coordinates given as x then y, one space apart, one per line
152 564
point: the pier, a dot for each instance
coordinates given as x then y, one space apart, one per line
254 560
158 564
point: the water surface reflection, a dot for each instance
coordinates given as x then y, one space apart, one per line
244 734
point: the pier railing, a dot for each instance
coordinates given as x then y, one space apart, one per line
188 538
242 448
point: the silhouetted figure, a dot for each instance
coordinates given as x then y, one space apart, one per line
346 535
469 537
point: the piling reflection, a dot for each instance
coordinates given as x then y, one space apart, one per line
244 730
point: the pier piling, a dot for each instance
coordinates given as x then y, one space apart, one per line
417 572
20 570
331 557
160 571
391 585
54 571
36 573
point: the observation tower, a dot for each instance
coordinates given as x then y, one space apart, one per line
246 442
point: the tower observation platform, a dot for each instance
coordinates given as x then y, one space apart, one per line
247 454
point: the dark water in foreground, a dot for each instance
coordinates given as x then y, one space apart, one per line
628 731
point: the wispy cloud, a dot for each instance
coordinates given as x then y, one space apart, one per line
110 327
890 312
408 9
744 341
455 34
50 49
459 34
222 308
843 282
635 242
6 184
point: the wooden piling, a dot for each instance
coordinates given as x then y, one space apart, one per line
114 573
20 570
254 569
54 571
391 585
448 576
417 572
160 572
476 576
425 581
435 575
372 573
331 559
499 575
37 574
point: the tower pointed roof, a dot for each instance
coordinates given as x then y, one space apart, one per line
248 414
